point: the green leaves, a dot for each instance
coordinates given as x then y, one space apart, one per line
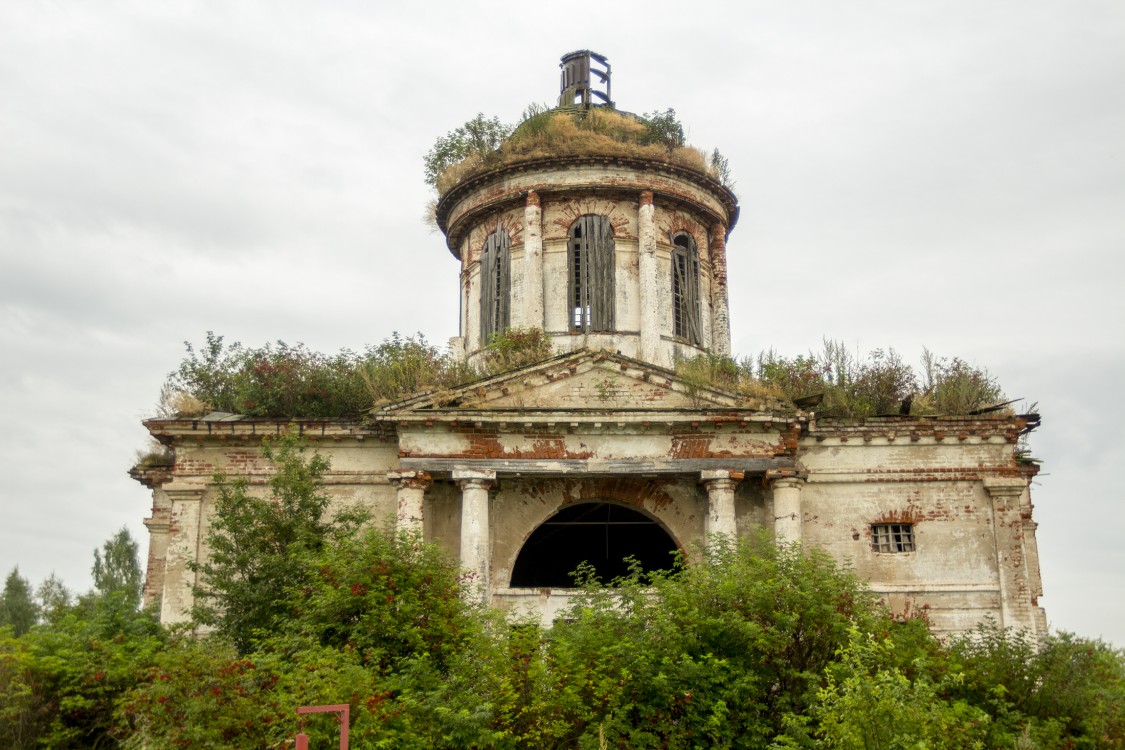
61 680
853 384
290 381
478 137
260 547
117 569
516 347
17 608
664 129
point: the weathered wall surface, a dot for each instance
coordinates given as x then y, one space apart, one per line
184 499
645 207
956 482
940 478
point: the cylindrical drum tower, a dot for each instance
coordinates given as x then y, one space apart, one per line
622 250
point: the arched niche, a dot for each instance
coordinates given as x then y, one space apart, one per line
602 534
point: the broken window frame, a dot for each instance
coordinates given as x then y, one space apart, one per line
495 285
686 306
892 538
590 270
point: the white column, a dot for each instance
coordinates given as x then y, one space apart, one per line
532 314
786 506
185 523
411 488
720 306
648 279
475 542
720 486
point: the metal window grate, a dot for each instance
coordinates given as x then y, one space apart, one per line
892 537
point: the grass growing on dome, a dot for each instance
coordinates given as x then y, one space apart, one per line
600 131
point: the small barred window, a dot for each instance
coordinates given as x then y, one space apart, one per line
892 537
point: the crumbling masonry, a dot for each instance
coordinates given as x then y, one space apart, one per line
602 451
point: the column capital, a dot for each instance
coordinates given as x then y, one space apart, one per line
786 478
533 198
646 198
720 478
410 479
474 477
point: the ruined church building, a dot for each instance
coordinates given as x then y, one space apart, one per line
602 452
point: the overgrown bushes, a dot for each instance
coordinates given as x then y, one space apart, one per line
741 645
853 384
275 380
283 381
516 347
62 680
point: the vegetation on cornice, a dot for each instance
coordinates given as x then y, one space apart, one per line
484 144
852 384
283 381
280 381
154 455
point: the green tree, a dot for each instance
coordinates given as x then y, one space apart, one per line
54 599
870 703
478 137
664 129
117 569
79 668
716 653
405 365
61 681
381 625
17 607
1066 691
260 546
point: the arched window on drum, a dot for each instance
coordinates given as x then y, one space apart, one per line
685 288
495 285
590 264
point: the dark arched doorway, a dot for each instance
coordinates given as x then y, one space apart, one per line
601 534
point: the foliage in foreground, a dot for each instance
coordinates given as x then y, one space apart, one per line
750 647
739 646
259 545
62 680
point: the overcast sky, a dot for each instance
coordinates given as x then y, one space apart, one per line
946 175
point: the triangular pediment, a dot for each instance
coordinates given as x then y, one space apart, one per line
579 381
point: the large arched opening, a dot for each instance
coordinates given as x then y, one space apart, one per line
601 534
